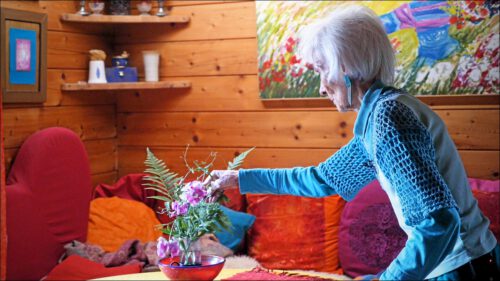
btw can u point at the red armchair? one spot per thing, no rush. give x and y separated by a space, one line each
48 193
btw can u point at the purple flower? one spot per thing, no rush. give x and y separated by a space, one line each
178 209
166 248
193 192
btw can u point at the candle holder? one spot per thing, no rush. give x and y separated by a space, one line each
96 6
161 10
82 11
144 7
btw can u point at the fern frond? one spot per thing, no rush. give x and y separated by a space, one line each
238 160
161 191
159 176
162 198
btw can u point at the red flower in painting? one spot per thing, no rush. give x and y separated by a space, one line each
294 60
264 83
266 64
296 74
290 43
483 12
279 76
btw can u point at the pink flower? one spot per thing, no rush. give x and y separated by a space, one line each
166 248
194 192
178 209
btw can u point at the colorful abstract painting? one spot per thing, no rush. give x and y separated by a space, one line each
23 55
442 47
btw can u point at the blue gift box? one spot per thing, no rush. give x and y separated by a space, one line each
124 74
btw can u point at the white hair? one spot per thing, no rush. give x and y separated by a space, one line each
352 36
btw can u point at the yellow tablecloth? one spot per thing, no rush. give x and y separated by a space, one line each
225 273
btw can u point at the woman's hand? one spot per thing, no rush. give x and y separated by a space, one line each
220 180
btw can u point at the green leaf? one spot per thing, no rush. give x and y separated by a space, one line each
162 198
159 176
238 160
160 191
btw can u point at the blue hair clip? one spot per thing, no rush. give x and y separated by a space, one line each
348 85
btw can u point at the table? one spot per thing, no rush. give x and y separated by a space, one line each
225 273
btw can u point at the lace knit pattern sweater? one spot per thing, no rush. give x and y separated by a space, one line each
404 151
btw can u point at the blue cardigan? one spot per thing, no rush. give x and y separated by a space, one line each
405 145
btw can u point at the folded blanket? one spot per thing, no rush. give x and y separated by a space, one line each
131 252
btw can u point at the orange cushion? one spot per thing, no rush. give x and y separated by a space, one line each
295 232
112 221
78 268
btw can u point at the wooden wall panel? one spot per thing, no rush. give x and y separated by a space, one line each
207 22
106 178
207 93
200 58
479 164
57 97
54 9
91 115
102 156
89 122
70 50
229 129
318 129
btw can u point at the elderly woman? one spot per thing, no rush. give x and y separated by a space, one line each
397 140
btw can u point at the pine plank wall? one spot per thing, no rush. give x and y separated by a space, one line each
217 52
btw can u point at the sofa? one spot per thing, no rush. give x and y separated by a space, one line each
326 234
51 203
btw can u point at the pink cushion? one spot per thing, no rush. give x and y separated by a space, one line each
78 268
48 193
485 185
369 235
487 193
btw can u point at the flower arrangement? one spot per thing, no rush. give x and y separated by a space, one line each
189 202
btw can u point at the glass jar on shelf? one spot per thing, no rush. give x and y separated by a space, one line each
144 7
119 7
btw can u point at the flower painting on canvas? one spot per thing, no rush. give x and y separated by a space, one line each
441 47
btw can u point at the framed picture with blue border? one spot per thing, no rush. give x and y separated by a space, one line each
23 56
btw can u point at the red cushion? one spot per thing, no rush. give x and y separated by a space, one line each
48 196
292 232
78 268
131 187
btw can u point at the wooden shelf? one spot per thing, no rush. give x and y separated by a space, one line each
135 19
84 86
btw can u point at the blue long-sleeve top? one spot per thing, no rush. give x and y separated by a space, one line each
406 146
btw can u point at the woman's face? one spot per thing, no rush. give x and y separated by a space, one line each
336 92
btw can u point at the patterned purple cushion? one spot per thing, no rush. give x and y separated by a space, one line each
369 234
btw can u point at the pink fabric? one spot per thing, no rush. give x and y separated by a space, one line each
485 185
48 196
263 274
130 252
